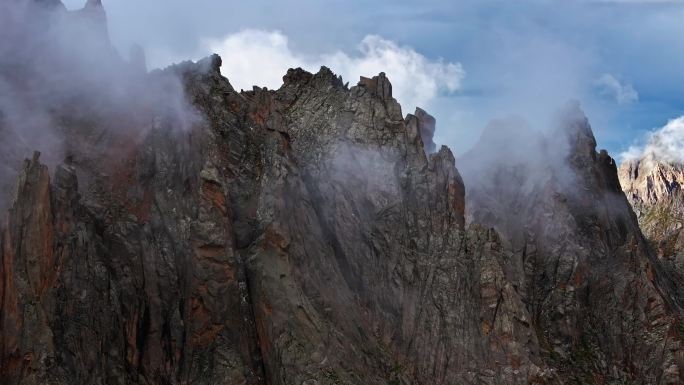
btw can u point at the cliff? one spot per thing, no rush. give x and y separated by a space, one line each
653 187
311 235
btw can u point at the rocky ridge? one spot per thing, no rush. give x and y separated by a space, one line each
654 189
649 181
311 235
577 255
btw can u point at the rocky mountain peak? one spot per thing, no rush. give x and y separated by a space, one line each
572 126
93 19
295 76
212 64
379 85
654 189
310 235
652 180
427 124
649 180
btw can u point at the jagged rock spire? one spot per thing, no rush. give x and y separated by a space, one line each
379 85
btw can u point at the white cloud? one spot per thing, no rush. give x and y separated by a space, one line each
664 144
257 57
623 93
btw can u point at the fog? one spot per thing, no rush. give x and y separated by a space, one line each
549 50
59 73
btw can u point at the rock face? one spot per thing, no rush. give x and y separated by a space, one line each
654 188
593 288
302 236
649 181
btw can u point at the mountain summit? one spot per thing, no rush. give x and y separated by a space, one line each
649 180
177 231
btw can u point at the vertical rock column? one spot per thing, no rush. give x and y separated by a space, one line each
27 273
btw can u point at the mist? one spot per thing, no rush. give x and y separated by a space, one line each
67 77
514 162
61 77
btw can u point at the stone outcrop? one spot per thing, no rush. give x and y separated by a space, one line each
313 235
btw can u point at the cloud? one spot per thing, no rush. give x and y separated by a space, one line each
623 93
258 57
255 57
415 79
664 144
59 76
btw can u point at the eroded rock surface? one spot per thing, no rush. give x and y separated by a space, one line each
295 236
313 235
654 189
593 287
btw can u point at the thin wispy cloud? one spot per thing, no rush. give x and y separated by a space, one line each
622 92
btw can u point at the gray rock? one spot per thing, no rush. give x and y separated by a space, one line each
311 235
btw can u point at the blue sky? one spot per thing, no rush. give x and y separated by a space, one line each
474 60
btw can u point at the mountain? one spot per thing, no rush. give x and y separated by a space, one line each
649 180
576 253
312 235
654 188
